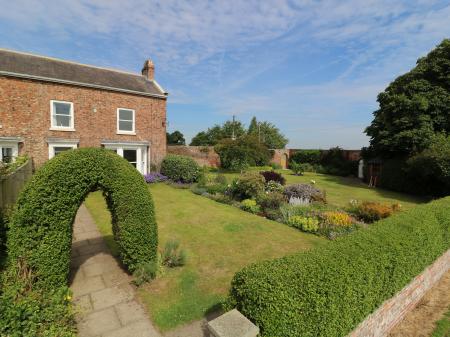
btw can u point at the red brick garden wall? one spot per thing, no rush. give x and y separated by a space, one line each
203 155
25 113
393 310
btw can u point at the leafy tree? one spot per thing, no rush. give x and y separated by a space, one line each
175 138
268 134
213 135
414 107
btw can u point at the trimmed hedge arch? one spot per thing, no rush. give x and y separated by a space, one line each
41 227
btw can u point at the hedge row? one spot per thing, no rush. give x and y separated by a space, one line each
330 290
40 230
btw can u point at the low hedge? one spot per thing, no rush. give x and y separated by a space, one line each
40 230
180 168
330 290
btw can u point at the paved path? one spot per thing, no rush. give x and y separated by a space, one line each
105 299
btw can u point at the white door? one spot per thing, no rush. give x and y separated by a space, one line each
135 155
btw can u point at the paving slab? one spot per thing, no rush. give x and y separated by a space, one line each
105 301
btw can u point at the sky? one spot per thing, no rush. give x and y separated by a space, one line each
313 68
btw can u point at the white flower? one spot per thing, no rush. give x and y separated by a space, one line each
313 181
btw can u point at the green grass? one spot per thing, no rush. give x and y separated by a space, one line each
442 326
219 240
341 190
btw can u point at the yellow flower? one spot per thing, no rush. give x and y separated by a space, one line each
68 298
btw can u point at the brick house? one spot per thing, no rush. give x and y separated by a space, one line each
49 105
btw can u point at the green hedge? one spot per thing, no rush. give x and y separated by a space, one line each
330 290
40 228
180 168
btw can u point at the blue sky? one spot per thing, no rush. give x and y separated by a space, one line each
313 68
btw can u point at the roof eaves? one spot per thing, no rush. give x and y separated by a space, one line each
87 85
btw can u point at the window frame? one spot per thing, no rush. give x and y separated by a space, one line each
52 145
72 115
126 132
9 144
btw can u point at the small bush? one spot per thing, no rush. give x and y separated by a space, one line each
275 166
172 255
304 191
216 188
221 179
180 168
250 205
304 223
247 186
336 218
151 178
145 273
198 190
296 168
373 211
273 186
270 201
273 176
328 291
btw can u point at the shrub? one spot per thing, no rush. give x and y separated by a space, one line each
373 211
7 168
306 156
304 191
216 188
172 255
180 168
145 273
250 205
272 200
273 176
296 168
336 218
241 153
221 179
273 186
247 186
304 223
328 291
40 228
152 178
198 189
275 166
3 230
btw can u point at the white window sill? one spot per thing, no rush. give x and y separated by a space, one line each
126 133
61 129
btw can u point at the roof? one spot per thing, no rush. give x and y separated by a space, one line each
23 65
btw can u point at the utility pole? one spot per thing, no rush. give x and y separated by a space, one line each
259 132
233 136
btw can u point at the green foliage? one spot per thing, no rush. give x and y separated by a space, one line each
268 134
221 179
275 166
145 272
3 230
7 168
270 200
304 223
306 157
297 168
370 211
175 138
330 290
241 153
180 168
215 134
273 186
335 163
40 228
413 107
273 176
250 205
172 255
247 186
442 326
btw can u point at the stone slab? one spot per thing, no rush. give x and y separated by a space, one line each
232 324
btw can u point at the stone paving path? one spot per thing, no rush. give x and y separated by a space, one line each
106 301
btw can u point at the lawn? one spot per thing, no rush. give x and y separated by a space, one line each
341 190
219 240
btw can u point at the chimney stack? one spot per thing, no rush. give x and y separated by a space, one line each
148 71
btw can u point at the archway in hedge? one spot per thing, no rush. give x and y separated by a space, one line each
41 226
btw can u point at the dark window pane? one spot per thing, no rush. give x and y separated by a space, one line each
125 115
59 149
125 126
62 121
61 108
130 155
7 153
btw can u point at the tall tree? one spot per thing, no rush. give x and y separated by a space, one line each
268 134
175 138
216 133
414 107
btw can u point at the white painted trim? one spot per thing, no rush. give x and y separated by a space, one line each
141 154
122 132
159 87
10 144
72 115
52 145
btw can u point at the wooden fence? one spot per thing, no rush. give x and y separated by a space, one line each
12 184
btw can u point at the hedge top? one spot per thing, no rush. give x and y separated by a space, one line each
41 226
330 290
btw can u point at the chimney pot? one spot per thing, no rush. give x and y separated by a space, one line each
148 70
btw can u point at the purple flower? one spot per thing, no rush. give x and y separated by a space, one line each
154 177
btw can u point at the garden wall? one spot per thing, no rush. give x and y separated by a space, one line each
394 310
351 155
12 184
203 155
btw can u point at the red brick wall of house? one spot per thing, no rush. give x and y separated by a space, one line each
25 112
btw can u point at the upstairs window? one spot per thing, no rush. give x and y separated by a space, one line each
125 121
61 115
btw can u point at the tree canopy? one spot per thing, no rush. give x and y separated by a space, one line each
175 138
266 133
414 107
